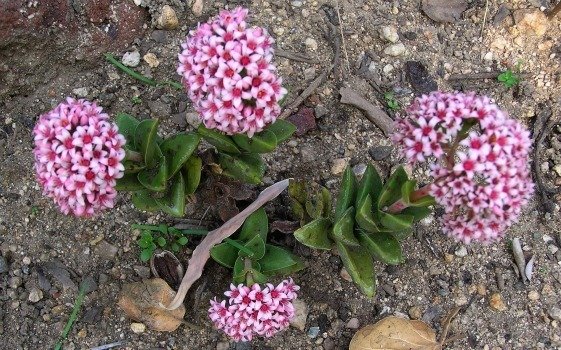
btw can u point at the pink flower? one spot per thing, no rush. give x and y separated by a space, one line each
486 181
78 157
227 71
256 310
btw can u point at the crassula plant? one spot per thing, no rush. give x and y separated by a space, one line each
480 168
226 68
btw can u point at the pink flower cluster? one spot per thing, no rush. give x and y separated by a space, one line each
483 177
227 71
78 155
254 310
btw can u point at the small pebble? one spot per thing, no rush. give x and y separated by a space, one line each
345 275
496 302
338 166
223 345
313 332
80 92
389 33
533 295
151 59
131 59
167 19
388 68
3 265
35 294
555 313
359 169
300 315
461 252
415 312
395 50
311 44
353 323
14 282
296 3
138 327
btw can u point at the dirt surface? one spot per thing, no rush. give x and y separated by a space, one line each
52 49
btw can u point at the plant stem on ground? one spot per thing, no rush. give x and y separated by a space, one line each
73 317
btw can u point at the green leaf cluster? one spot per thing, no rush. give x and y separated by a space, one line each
249 253
168 169
508 78
360 227
161 236
239 156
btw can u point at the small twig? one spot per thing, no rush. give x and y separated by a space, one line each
429 243
320 79
373 113
554 11
446 323
484 18
482 75
519 258
294 56
73 317
108 346
342 36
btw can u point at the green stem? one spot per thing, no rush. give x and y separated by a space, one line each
249 281
109 57
399 205
72 319
134 156
173 84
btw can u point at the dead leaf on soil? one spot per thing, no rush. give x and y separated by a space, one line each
142 301
395 333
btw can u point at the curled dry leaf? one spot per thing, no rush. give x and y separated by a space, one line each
395 333
166 266
142 301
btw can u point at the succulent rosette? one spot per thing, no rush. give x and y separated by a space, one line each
481 170
227 71
78 157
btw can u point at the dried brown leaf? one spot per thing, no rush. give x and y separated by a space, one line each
395 333
202 252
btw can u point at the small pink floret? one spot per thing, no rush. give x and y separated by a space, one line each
78 155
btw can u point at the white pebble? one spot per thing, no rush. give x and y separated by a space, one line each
395 50
131 59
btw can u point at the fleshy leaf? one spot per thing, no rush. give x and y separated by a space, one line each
297 190
248 168
133 167
173 202
314 205
239 272
263 142
299 211
406 189
220 141
278 260
225 254
127 125
401 235
155 178
370 184
396 222
360 267
282 129
145 136
192 173
177 149
392 189
315 234
364 216
144 201
382 246
257 246
327 203
129 182
343 230
255 224
346 196
418 213
423 202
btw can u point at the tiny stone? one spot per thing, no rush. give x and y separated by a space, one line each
415 312
496 302
106 250
557 169
488 56
338 166
292 143
142 271
533 295
353 323
359 169
27 260
82 333
278 31
313 332
329 344
14 282
80 92
167 19
461 252
388 68
320 111
544 167
389 33
223 345
380 152
151 59
345 275
300 315
552 249
372 67
35 294
555 313
193 119
309 73
3 265
297 3
131 59
448 258
395 50
311 44
138 327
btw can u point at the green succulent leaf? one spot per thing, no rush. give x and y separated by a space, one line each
257 246
257 224
364 216
343 230
382 246
298 210
370 184
239 272
175 247
225 254
143 200
177 150
129 182
264 142
418 213
282 129
258 277
133 167
145 240
192 173
297 190
360 267
161 241
220 141
423 202
146 254
314 205
346 196
145 137
248 168
392 189
406 189
173 202
396 222
327 202
401 235
279 261
183 240
127 125
315 234
155 178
